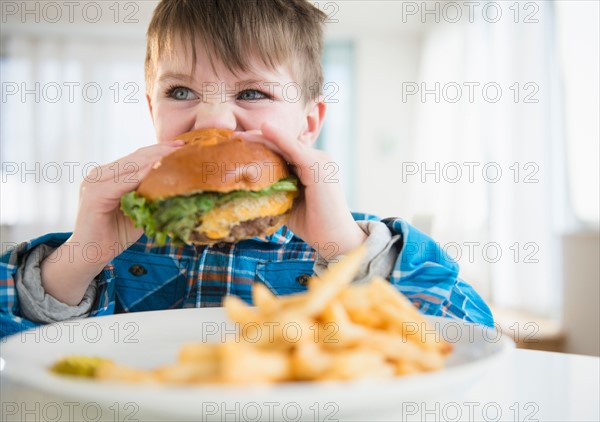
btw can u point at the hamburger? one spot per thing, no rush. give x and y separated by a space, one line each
215 188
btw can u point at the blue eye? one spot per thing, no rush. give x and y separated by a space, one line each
181 93
251 95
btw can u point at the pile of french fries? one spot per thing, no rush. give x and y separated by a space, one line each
334 331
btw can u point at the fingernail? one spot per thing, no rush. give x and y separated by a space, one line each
177 143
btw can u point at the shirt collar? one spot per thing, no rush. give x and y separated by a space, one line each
280 237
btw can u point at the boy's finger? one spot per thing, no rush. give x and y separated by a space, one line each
157 150
290 148
257 136
275 139
130 170
302 157
140 167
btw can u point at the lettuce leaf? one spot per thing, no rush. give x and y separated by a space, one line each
178 216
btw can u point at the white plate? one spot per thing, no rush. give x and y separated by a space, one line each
150 339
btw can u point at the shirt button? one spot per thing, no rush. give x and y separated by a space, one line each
137 270
303 279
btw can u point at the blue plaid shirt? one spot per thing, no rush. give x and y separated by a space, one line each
146 277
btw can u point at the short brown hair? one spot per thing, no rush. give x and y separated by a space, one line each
276 32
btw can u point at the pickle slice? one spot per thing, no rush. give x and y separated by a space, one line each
81 366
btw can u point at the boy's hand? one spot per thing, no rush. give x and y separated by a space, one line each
321 218
99 218
101 230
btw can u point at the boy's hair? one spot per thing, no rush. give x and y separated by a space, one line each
276 32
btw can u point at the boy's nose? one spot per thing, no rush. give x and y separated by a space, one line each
215 115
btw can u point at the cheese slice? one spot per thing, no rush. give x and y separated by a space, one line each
218 222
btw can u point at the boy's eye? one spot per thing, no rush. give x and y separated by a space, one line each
251 95
181 93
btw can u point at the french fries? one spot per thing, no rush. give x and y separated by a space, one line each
334 331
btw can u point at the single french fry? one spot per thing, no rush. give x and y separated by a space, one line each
402 316
359 363
431 361
381 289
391 345
397 349
309 361
295 300
239 311
198 352
121 373
243 363
445 348
283 330
189 372
421 333
336 330
360 307
332 282
264 300
407 368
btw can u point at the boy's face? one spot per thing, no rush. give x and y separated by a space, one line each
180 103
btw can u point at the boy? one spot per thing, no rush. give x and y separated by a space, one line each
222 64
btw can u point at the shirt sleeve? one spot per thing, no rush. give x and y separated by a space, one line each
430 278
18 264
417 266
382 248
36 304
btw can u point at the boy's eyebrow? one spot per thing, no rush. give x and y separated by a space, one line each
174 75
251 82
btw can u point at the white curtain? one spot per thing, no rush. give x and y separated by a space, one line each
68 103
502 227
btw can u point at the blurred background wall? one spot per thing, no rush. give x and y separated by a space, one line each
475 121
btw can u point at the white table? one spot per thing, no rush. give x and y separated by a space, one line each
531 386
524 386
